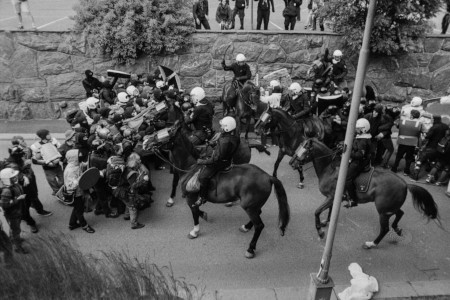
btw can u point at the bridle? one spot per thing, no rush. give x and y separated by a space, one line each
334 153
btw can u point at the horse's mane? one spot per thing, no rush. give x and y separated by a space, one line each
248 86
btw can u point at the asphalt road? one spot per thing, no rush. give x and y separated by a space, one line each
216 259
54 15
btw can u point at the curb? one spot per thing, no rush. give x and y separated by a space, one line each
28 136
417 290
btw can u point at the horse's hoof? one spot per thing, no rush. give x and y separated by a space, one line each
169 204
398 231
321 234
243 229
191 237
204 216
249 254
369 245
229 204
300 185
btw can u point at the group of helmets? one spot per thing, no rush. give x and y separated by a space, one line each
131 92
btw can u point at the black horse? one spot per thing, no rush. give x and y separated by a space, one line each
247 183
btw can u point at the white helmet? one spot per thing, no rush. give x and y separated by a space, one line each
274 83
132 91
240 57
416 101
197 94
362 126
160 84
295 87
91 102
228 124
6 175
337 53
123 97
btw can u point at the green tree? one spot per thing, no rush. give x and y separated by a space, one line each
126 29
396 22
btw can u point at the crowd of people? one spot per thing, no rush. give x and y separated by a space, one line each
110 129
226 16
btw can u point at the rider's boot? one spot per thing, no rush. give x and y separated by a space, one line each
351 195
203 193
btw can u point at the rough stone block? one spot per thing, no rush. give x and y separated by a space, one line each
101 68
35 94
74 43
300 71
23 63
432 45
190 82
282 75
6 74
40 40
272 54
258 38
66 86
193 65
53 63
251 50
81 64
209 79
172 62
438 61
294 44
299 57
222 46
6 46
440 81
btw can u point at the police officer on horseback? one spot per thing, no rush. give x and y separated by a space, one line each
222 157
359 158
201 116
338 70
241 71
298 103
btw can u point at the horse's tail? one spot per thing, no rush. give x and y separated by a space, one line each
283 205
423 201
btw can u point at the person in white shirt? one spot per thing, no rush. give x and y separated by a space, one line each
273 99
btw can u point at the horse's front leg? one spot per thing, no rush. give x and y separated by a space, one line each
175 180
196 215
302 178
384 229
247 129
327 204
277 162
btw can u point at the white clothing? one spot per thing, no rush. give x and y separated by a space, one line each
273 100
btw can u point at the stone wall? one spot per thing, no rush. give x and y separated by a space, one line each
38 70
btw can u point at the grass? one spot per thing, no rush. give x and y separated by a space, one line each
56 269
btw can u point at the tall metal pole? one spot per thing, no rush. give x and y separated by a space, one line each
251 13
321 283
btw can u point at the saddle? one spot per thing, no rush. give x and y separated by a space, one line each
193 184
362 181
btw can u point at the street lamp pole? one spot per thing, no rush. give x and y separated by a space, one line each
251 13
321 284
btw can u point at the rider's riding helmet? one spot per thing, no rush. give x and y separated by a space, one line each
132 91
197 94
91 102
337 55
296 88
362 126
8 176
228 124
240 58
274 83
123 97
103 133
416 101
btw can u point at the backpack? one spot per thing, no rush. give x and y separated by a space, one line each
70 116
114 171
444 145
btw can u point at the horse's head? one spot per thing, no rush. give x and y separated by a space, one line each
251 92
162 139
303 154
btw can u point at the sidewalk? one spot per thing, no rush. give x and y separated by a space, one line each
28 129
417 290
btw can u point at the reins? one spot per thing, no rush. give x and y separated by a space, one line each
160 156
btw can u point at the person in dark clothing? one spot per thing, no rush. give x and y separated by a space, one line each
10 201
66 146
239 9
242 73
338 70
359 159
263 13
201 116
380 129
441 168
298 103
107 95
290 14
224 15
200 12
91 84
431 141
222 157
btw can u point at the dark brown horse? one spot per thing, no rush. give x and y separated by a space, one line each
247 183
242 107
292 133
387 190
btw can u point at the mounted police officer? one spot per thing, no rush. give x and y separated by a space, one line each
359 158
241 71
298 103
338 70
222 157
201 116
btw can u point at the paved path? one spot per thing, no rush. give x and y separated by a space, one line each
54 15
216 259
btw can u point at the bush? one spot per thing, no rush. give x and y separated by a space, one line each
126 29
54 269
396 24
